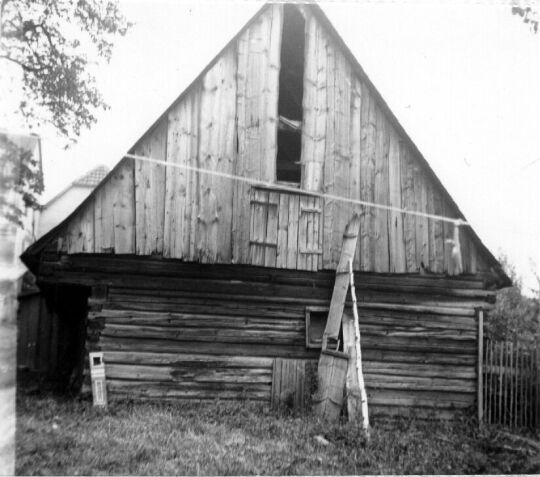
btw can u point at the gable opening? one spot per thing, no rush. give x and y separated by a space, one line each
291 90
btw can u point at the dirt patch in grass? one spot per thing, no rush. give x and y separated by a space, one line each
60 436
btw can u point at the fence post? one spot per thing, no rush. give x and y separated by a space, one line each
480 397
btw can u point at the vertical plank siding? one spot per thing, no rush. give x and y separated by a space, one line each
150 192
315 106
181 201
288 383
216 152
285 230
227 122
257 102
511 394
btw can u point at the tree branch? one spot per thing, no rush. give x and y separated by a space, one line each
18 62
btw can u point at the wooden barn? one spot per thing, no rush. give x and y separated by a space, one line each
200 285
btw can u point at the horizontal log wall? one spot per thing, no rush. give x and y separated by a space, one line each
227 122
171 329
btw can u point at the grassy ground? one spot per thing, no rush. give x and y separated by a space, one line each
56 436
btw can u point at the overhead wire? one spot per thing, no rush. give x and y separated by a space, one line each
457 222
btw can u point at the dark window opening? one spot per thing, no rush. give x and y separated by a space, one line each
291 90
315 324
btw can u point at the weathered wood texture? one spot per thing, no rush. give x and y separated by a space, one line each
331 379
289 383
257 109
37 338
419 334
341 285
351 149
227 122
285 229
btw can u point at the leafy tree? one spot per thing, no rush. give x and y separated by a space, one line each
516 317
49 40
20 173
53 44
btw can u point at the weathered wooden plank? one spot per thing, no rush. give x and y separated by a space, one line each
188 374
221 335
176 346
122 183
194 360
283 231
304 234
181 201
367 177
257 100
141 389
434 400
143 267
259 222
417 332
316 259
288 383
271 230
408 202
391 319
328 399
337 303
217 148
381 194
329 172
416 383
79 234
436 232
422 357
150 191
310 245
104 219
428 345
293 233
314 104
356 148
198 320
352 387
397 244
449 263
421 223
340 114
446 371
465 249
87 229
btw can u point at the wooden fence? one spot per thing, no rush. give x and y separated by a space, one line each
511 384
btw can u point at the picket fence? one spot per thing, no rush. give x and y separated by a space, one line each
511 384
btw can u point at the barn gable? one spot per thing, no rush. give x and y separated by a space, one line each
202 286
339 139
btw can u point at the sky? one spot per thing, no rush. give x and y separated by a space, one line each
462 77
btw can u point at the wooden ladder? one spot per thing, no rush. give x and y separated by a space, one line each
332 370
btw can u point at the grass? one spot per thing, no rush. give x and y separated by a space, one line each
59 436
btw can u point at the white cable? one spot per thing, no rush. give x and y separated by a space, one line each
285 188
